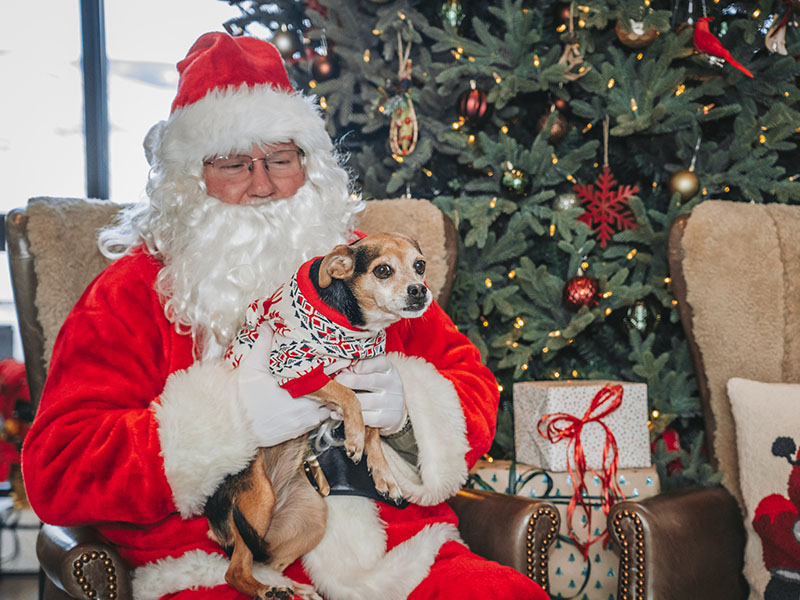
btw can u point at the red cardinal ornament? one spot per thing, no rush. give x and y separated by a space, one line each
705 41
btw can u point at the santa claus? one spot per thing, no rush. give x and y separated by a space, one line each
141 419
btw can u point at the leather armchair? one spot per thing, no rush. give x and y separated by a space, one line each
48 278
722 256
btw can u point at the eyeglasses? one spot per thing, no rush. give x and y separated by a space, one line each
282 163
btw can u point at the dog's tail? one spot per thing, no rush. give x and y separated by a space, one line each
255 542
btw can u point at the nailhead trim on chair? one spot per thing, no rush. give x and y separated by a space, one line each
540 577
628 563
111 575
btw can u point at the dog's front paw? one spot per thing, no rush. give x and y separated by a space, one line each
354 445
385 483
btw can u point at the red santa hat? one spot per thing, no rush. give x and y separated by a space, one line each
233 93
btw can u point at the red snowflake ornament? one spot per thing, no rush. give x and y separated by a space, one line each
606 208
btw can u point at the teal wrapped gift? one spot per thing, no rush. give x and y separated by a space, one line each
571 575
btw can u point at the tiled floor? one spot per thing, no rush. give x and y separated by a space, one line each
19 587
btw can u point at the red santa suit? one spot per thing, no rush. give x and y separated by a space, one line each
132 434
135 436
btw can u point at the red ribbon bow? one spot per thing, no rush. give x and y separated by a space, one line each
560 426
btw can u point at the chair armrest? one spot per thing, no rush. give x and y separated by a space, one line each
80 562
680 544
512 530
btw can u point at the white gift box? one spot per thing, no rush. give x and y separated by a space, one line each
628 423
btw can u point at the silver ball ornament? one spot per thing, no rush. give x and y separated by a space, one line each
565 201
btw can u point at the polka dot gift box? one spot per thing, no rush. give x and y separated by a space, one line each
573 575
554 419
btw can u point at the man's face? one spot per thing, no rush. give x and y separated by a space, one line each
257 185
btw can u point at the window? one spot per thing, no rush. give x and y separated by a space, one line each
41 124
144 41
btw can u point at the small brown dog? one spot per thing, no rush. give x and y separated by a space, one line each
270 512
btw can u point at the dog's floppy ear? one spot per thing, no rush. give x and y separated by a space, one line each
338 264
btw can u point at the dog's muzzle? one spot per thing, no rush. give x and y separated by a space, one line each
417 296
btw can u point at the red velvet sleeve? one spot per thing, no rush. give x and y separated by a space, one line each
92 453
434 337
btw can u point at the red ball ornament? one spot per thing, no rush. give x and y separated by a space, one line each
581 290
472 106
562 12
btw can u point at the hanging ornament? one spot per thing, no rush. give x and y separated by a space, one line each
286 41
644 316
472 105
573 63
562 12
565 201
581 291
634 35
515 181
606 205
558 127
708 44
685 182
775 40
325 67
404 129
571 58
452 12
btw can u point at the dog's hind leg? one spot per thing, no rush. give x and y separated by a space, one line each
249 522
240 574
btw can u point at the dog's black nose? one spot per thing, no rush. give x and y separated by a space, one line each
417 291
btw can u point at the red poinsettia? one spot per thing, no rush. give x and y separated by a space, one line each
15 413
13 387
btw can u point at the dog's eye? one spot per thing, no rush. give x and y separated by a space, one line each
382 271
419 266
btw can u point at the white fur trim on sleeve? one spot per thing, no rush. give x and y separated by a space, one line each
203 434
440 430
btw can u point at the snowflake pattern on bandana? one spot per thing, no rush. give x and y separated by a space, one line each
305 339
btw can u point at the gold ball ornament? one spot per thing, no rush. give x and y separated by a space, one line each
684 182
635 35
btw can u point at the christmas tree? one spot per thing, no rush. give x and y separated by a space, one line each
563 139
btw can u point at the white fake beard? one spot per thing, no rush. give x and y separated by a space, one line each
225 256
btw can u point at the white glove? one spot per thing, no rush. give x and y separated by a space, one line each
379 388
274 415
